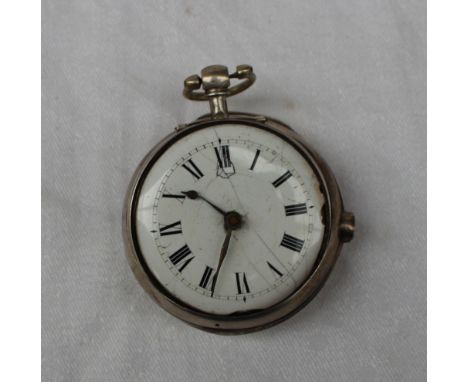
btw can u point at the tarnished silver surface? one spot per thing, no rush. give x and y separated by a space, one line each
339 225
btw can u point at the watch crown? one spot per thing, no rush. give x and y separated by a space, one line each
347 225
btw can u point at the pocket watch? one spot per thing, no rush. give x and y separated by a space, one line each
232 223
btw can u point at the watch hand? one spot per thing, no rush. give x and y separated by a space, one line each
192 194
232 221
222 256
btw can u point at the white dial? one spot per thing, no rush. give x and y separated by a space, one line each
260 182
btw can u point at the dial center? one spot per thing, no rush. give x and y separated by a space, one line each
232 220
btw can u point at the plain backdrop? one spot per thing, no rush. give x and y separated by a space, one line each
350 76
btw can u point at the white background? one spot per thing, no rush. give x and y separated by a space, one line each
350 77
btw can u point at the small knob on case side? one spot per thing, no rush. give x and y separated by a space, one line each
347 225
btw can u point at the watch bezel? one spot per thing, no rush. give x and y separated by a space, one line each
260 319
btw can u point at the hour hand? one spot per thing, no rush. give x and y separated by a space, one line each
192 194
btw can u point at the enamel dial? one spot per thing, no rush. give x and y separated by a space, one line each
229 219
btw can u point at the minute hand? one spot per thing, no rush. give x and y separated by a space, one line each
192 194
222 256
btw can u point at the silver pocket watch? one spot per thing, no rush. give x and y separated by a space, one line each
232 223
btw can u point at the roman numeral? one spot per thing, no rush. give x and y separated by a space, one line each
272 267
283 178
292 243
295 209
187 262
254 162
181 255
224 159
192 169
173 196
241 282
171 229
206 277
